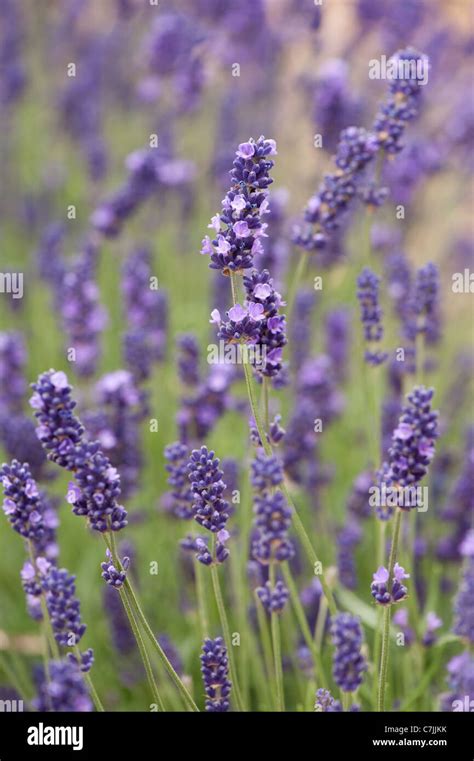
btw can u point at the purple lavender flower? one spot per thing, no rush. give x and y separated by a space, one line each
325 210
460 680
424 305
271 336
63 606
403 101
61 433
188 359
272 521
325 703
122 406
459 505
62 690
146 310
234 246
13 79
337 341
385 593
274 598
334 103
215 674
120 630
180 498
349 664
433 623
83 317
113 576
464 604
371 314
412 442
59 430
23 503
400 619
348 538
267 472
200 411
12 381
209 508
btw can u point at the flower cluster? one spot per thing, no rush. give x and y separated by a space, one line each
402 104
271 336
12 382
210 510
83 317
61 689
325 703
371 314
215 675
324 211
188 359
23 502
464 604
238 241
423 316
61 433
147 314
384 594
179 500
111 575
349 664
413 442
63 606
274 598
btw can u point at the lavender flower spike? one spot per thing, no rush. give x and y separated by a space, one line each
63 690
371 314
239 226
349 664
210 509
464 604
215 671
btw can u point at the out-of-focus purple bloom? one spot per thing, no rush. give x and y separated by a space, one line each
348 538
459 505
325 703
424 305
432 624
337 341
188 359
62 690
180 497
272 522
215 675
83 317
464 604
349 664
371 315
400 619
12 364
325 210
460 680
146 309
300 327
13 76
403 100
274 598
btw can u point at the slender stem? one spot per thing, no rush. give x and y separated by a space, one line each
381 530
266 408
88 680
266 645
304 626
276 641
299 272
141 618
157 647
386 616
201 599
142 649
226 632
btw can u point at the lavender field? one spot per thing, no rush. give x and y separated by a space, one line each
236 356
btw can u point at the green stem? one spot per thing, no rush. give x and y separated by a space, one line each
386 615
276 641
226 632
201 600
143 651
266 646
88 680
266 408
141 619
299 273
304 626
